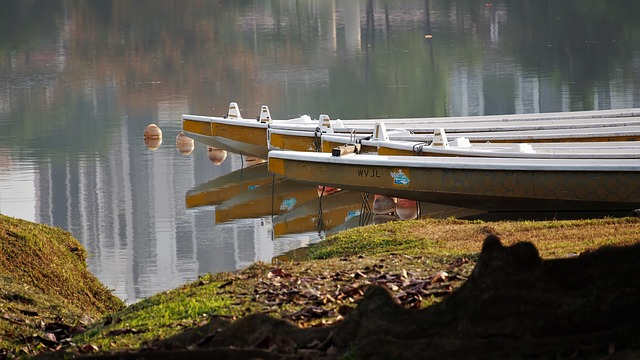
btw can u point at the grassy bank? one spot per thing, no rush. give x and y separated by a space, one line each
44 281
438 255
324 288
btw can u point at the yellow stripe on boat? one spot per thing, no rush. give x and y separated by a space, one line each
240 133
276 166
198 127
295 142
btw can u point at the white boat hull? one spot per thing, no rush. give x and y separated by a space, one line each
493 184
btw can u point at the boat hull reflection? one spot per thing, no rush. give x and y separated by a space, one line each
321 214
269 199
225 187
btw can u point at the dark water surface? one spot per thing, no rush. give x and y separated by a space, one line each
80 81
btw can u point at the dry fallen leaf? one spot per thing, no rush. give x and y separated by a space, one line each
277 273
440 276
88 348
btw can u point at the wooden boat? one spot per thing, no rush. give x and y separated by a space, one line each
227 186
493 184
461 146
326 141
257 137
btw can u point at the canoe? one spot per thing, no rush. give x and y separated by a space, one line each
564 115
236 134
461 146
492 184
281 139
484 125
256 137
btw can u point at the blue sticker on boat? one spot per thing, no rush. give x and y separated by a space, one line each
400 178
288 204
251 187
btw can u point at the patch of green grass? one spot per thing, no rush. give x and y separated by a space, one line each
459 237
372 240
160 316
44 278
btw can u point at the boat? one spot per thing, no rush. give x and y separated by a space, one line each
492 183
233 133
405 142
255 137
368 140
462 146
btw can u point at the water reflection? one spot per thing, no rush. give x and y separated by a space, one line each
290 207
215 155
276 198
226 187
184 144
323 214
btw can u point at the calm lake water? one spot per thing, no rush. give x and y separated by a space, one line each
80 81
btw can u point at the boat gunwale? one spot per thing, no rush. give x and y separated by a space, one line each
561 115
295 123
